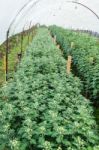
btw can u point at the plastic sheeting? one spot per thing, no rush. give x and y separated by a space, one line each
47 12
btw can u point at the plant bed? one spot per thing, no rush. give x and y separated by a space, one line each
14 50
42 108
85 53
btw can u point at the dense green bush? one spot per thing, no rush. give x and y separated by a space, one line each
42 108
85 55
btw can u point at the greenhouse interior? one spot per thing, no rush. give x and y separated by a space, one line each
49 75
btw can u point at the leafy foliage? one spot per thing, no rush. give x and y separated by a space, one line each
42 107
85 55
14 50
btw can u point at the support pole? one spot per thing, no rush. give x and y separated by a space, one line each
4 67
7 52
69 61
22 34
32 32
29 33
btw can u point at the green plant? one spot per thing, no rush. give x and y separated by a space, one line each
42 108
14 50
85 55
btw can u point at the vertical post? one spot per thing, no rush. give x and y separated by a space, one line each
69 64
28 37
22 41
7 51
4 66
55 39
32 32
72 44
58 46
29 33
69 61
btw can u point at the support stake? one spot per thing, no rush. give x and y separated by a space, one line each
21 42
7 52
4 67
69 61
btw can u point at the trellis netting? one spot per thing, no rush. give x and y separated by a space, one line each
48 12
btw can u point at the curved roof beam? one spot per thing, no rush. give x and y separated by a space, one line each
37 1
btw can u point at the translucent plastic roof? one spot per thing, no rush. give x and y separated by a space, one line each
48 12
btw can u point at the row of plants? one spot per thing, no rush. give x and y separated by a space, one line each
85 53
14 50
42 108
